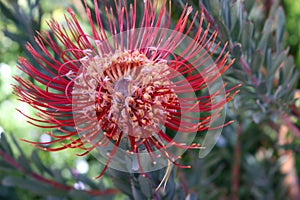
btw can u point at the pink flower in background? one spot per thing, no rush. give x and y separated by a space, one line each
134 86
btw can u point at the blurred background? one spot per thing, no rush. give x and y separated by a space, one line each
257 157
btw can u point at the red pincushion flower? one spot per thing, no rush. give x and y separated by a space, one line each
131 95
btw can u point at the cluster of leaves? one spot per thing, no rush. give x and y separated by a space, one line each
25 22
31 174
255 32
263 66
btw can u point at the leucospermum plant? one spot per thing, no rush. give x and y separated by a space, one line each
134 95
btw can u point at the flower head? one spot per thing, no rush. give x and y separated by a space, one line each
135 93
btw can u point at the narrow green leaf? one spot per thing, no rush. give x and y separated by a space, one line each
215 8
273 68
145 186
279 60
171 186
5 145
6 167
234 15
269 68
137 194
32 185
77 194
257 61
88 181
280 29
38 163
249 5
8 193
263 43
17 145
287 88
22 158
224 31
274 8
247 33
121 181
237 51
7 12
58 176
262 88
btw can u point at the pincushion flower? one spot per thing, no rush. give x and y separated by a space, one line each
133 90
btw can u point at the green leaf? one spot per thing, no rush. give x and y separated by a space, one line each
215 8
8 193
257 61
121 181
279 60
248 5
269 70
263 43
137 194
274 8
5 145
262 88
280 29
274 66
145 185
247 33
86 180
22 158
78 194
58 176
38 163
32 185
171 186
8 14
17 145
285 90
224 31
237 51
234 15
289 64
6 167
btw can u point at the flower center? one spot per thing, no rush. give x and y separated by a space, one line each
131 94
123 86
